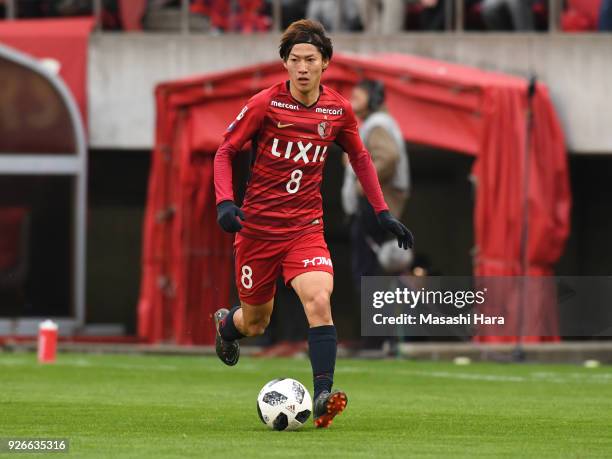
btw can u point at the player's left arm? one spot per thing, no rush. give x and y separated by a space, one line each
361 161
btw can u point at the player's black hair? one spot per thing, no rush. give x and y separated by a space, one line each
376 93
305 31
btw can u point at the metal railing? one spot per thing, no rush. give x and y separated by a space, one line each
454 14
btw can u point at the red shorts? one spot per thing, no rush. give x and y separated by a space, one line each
259 263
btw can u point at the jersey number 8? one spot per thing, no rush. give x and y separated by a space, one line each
293 185
247 276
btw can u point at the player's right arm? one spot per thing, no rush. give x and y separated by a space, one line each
240 131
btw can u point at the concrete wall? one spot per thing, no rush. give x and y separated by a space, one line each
124 69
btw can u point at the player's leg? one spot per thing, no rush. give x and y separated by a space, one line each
252 320
244 320
314 289
238 322
308 269
257 265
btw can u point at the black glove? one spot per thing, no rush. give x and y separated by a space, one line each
405 239
227 213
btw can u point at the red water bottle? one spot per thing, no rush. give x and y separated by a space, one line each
47 341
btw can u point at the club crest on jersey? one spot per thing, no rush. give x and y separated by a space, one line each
324 129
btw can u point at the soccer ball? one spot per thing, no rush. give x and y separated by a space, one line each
284 404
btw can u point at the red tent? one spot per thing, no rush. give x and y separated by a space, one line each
187 260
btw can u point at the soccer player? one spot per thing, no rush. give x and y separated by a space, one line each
279 228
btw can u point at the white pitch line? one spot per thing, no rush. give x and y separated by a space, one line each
550 377
541 376
465 376
83 363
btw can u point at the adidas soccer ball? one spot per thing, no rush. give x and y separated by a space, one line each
284 404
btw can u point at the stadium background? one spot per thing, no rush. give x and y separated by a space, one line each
71 236
123 68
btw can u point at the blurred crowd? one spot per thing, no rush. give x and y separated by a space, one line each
378 16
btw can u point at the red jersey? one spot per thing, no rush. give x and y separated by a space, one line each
290 142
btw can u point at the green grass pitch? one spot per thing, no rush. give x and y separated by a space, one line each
117 406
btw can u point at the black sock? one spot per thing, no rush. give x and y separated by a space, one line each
228 329
322 344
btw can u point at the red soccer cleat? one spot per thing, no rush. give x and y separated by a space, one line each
327 406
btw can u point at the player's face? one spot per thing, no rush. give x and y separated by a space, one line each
305 66
359 101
